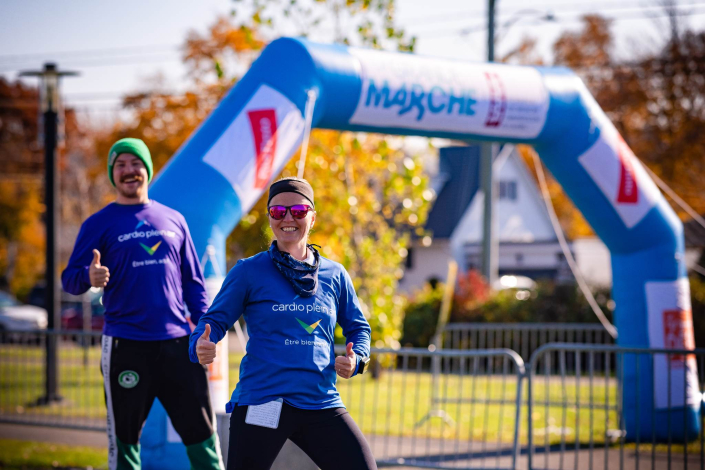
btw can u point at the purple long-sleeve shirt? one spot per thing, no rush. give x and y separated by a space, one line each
153 267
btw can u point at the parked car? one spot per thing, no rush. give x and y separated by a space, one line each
72 307
522 285
16 316
72 311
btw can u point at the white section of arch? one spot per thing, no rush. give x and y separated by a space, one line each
413 92
257 144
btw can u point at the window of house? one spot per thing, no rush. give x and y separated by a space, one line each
508 190
409 262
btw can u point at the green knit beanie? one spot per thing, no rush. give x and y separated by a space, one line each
134 147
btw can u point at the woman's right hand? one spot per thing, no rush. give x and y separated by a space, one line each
205 348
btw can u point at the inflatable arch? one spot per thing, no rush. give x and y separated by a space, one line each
222 170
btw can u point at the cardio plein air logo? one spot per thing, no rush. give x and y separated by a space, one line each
146 234
309 328
149 249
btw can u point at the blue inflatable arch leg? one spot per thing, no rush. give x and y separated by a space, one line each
222 170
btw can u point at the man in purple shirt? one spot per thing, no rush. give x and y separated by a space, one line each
142 254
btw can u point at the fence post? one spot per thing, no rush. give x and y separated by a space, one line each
530 411
517 420
437 343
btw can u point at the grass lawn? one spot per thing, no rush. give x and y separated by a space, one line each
478 407
80 384
40 455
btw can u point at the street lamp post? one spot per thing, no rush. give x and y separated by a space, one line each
50 108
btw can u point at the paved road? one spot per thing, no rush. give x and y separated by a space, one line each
432 452
55 435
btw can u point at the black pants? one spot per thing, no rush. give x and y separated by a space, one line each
137 372
330 437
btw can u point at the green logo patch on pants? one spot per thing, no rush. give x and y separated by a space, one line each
128 379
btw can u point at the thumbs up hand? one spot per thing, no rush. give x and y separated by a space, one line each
205 348
99 275
345 365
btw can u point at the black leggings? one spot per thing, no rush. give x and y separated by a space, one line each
330 437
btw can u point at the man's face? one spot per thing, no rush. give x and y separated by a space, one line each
130 176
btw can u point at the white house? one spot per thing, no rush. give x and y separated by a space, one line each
528 244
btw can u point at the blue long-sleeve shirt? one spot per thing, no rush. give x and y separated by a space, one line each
290 351
153 267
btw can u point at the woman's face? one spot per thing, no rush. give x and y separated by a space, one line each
291 231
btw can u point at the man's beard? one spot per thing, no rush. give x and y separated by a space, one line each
126 191
130 194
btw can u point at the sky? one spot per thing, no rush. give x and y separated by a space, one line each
118 47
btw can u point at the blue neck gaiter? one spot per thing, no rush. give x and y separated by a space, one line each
302 276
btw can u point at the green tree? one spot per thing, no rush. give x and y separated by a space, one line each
369 23
370 196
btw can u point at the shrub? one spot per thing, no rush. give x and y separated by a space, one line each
548 303
697 295
421 316
474 303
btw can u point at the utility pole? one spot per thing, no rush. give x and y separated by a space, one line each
490 240
50 106
490 30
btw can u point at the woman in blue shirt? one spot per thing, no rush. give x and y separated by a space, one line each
291 298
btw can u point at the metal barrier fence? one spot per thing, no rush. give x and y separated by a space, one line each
22 380
577 416
422 409
447 409
463 416
524 338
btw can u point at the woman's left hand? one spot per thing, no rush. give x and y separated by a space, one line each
345 365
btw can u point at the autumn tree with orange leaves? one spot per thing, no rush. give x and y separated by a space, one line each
656 102
22 232
371 196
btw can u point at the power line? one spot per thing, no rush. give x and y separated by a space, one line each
460 15
80 97
677 199
104 95
70 98
568 255
482 27
101 52
100 109
104 62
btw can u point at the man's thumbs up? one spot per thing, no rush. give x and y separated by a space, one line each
99 275
205 348
345 365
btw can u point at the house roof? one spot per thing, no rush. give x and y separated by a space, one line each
457 182
456 213
694 234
